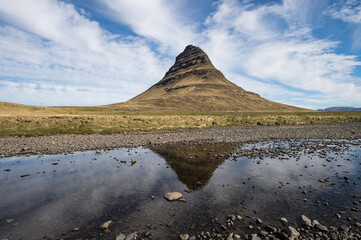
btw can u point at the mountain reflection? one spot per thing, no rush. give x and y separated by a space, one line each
194 164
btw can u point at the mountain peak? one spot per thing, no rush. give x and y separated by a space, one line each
192 58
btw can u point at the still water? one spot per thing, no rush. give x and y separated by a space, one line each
266 180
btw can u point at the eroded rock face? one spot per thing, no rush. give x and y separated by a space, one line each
191 56
192 61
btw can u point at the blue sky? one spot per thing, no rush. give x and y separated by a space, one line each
305 53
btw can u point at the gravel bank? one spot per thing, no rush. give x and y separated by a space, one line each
56 144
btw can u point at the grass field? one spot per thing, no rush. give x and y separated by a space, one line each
21 120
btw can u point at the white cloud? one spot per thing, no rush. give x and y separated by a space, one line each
158 20
54 20
345 10
348 11
281 54
54 94
59 46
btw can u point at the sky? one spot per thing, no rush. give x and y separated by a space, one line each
305 53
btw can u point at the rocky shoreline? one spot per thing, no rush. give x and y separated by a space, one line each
58 144
308 230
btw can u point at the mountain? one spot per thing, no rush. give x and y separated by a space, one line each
340 109
194 84
194 164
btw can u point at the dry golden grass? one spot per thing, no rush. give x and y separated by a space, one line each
25 120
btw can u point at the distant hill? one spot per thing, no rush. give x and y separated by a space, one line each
340 109
194 84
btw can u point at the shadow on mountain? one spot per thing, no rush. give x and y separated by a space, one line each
195 164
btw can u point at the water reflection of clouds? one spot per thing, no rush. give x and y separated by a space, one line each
226 185
50 201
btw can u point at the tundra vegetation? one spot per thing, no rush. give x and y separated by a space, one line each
22 120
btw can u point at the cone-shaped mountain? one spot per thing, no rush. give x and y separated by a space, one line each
195 164
194 84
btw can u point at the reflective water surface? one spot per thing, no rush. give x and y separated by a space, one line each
266 180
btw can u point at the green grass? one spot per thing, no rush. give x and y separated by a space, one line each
19 120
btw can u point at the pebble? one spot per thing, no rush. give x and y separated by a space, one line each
321 227
255 237
105 225
284 220
315 222
292 232
333 236
271 229
173 196
184 237
344 228
120 237
321 180
306 221
132 236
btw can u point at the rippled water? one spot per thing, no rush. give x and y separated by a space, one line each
266 180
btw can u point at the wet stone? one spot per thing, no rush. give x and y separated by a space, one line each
184 237
105 225
321 227
344 228
173 196
120 237
271 229
132 236
292 232
306 221
232 217
255 237
333 236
